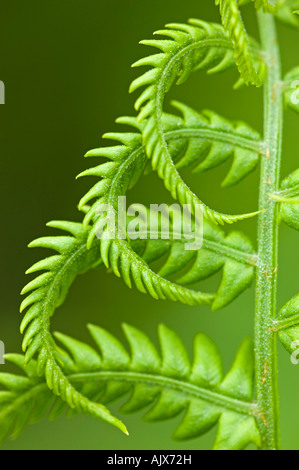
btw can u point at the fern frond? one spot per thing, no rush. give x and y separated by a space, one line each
186 138
48 290
45 293
233 253
116 251
183 135
191 47
166 382
23 398
234 26
124 262
127 161
203 141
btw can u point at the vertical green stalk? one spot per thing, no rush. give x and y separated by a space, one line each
266 285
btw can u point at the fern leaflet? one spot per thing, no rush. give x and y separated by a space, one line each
212 140
200 46
116 252
166 382
183 136
46 293
289 199
234 254
233 25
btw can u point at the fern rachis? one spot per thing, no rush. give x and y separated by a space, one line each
81 378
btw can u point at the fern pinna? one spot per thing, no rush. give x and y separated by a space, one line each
167 383
61 373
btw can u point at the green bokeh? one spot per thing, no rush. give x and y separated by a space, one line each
66 67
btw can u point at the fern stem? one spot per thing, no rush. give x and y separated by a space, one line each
266 286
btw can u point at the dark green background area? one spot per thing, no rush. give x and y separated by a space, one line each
66 67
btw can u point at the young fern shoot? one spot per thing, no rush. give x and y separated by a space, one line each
61 373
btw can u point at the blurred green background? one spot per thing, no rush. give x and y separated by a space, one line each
66 67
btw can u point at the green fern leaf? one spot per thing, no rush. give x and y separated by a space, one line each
23 398
45 294
199 46
202 141
211 141
289 199
233 25
127 162
291 87
234 254
125 263
182 135
287 325
168 383
48 291
116 252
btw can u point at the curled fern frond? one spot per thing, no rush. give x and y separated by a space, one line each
203 141
125 263
234 26
116 251
48 291
186 138
198 46
167 382
126 163
44 294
